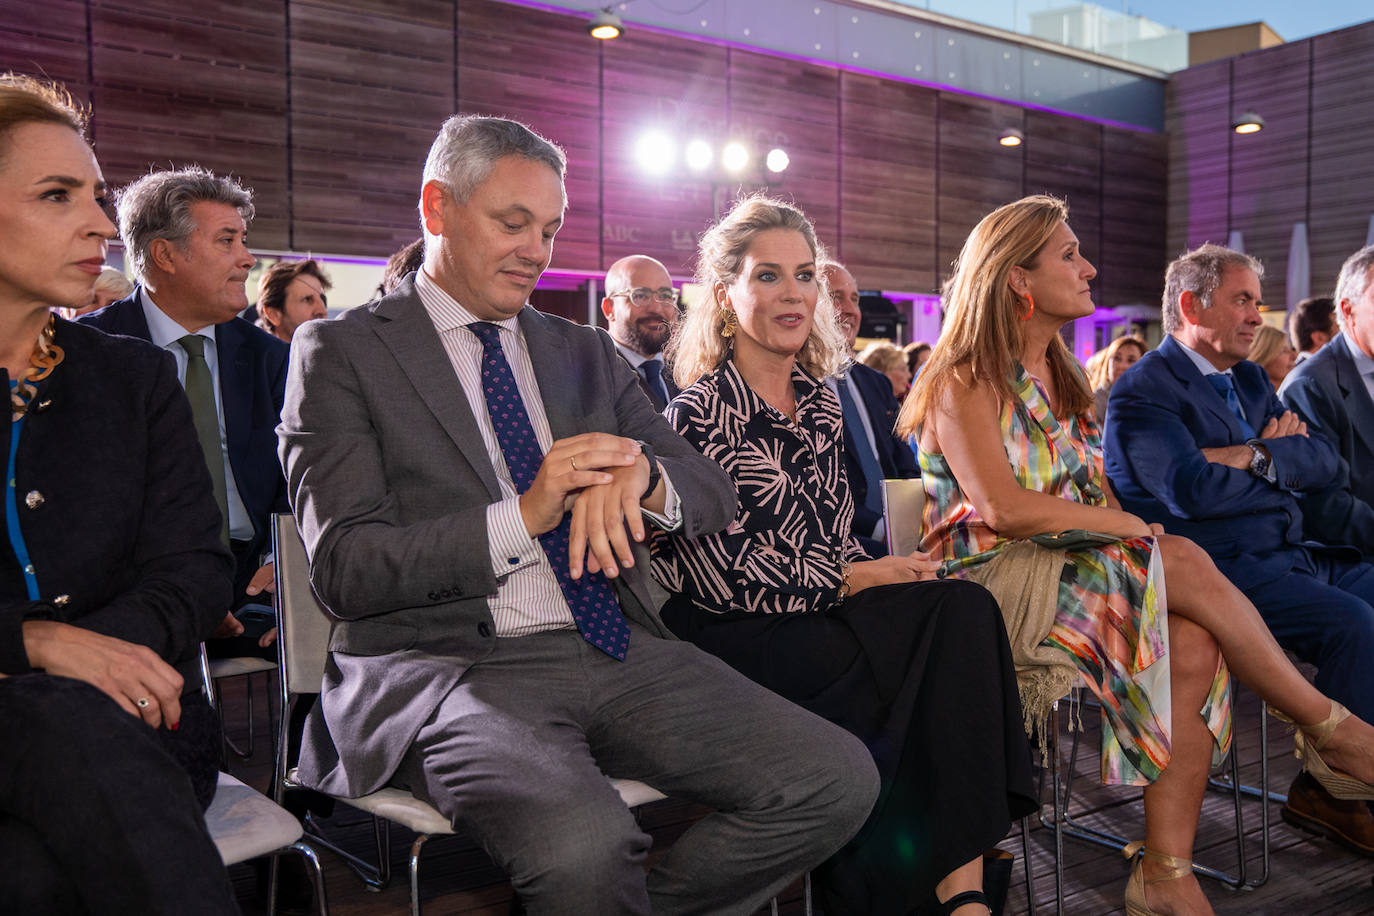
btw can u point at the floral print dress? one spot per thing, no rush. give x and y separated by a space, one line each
1111 619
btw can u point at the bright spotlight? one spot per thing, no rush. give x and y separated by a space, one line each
777 160
734 157
605 25
698 155
1011 137
654 153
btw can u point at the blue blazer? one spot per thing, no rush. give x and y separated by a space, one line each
1327 392
896 458
252 377
1162 414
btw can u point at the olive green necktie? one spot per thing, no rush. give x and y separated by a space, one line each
200 391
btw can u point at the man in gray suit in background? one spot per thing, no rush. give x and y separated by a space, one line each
471 478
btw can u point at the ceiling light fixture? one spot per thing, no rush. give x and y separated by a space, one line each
777 160
1011 137
1248 123
605 25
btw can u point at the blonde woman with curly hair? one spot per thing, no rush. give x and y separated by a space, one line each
787 596
1274 353
1106 366
1012 465
890 360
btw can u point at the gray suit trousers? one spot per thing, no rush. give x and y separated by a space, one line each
519 752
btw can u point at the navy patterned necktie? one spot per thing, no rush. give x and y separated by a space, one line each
652 371
1227 389
592 601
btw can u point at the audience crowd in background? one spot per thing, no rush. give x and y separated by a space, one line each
494 501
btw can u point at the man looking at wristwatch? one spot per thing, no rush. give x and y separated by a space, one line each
1199 442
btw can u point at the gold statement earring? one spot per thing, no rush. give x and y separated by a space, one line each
728 327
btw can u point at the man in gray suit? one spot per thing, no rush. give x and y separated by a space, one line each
471 479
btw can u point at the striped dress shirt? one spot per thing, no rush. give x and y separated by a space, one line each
528 598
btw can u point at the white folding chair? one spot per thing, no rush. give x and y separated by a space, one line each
245 824
303 646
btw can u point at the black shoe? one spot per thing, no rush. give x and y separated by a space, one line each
997 865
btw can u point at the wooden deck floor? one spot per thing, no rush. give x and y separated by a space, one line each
1308 875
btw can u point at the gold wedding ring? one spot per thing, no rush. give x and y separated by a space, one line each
573 462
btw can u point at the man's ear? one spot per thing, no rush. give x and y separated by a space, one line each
160 254
1190 306
432 206
608 307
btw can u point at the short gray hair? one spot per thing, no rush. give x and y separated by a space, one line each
1353 280
468 147
158 206
1199 272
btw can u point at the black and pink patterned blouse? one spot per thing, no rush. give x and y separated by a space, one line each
782 554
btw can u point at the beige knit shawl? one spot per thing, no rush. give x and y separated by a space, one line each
1024 578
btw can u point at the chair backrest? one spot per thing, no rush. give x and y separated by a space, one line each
903 502
304 625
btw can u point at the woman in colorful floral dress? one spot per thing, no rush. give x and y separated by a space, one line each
1009 452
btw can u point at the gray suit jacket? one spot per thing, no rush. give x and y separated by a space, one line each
390 483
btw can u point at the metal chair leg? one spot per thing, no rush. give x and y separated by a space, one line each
229 742
1079 831
1026 864
312 862
415 873
375 877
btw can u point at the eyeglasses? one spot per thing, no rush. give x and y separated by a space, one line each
641 296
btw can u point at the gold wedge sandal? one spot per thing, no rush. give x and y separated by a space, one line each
1309 741
1135 888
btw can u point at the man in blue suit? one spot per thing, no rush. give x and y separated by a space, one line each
871 452
185 233
1334 393
1200 443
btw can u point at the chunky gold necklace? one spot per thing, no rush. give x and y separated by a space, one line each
46 356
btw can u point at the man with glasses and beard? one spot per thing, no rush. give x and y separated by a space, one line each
641 310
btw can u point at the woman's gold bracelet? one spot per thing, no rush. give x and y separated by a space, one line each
845 569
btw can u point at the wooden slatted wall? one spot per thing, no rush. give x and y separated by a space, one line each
1342 165
326 108
1311 163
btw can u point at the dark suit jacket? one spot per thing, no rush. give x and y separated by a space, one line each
252 379
1163 413
673 389
390 482
895 457
115 506
1327 392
